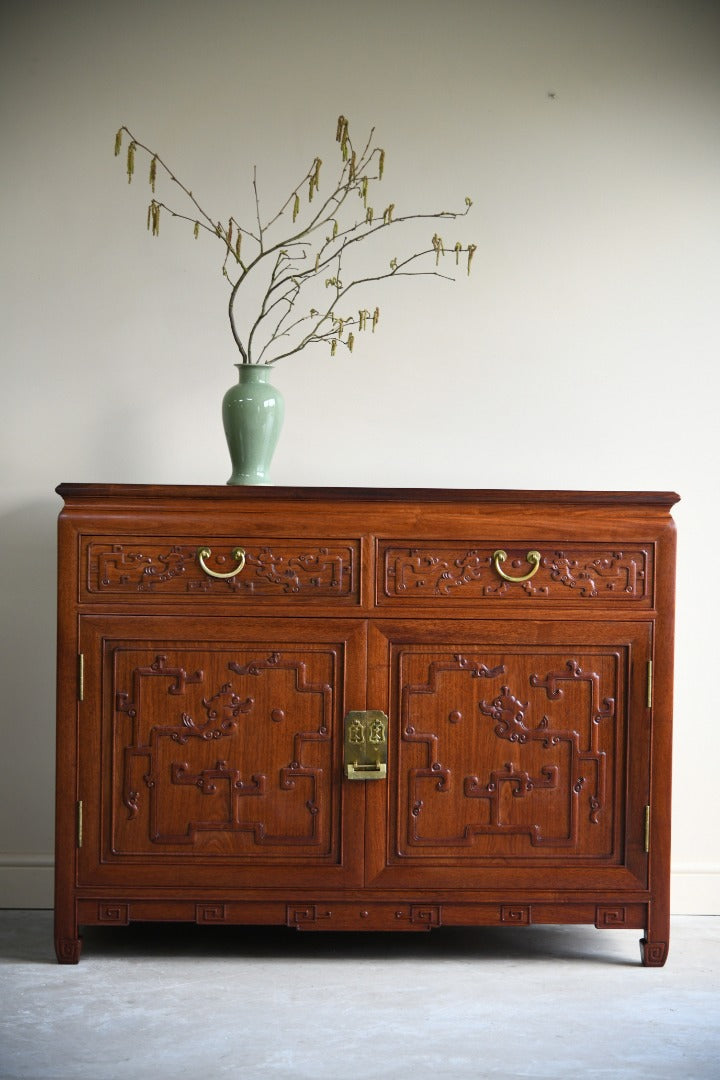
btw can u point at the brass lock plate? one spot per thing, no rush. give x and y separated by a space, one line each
366 745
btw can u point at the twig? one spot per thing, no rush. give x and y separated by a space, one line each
308 252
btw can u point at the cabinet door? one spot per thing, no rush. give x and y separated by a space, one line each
211 752
519 755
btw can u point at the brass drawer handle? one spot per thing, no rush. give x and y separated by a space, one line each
532 557
238 554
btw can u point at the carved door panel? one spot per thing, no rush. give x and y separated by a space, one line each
211 751
509 760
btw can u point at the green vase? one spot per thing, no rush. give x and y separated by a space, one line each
252 413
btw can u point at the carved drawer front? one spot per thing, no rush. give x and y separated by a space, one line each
454 571
259 569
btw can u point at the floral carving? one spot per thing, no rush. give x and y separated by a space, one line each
222 711
612 573
291 568
509 711
427 571
455 570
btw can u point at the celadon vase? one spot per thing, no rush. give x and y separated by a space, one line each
253 412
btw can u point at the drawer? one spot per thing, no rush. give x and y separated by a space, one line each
453 571
264 569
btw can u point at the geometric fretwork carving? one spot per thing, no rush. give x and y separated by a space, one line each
113 913
435 669
210 913
654 953
509 712
606 915
515 915
548 789
172 746
520 784
573 672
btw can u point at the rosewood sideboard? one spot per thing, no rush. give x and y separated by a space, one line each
364 709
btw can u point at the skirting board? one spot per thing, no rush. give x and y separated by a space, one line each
695 890
26 881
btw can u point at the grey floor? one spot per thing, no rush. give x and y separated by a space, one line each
174 1001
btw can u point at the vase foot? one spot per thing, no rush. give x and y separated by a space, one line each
248 481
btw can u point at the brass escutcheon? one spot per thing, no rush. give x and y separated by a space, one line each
366 745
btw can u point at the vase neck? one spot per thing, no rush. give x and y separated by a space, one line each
253 372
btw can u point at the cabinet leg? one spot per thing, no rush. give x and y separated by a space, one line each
654 946
68 943
68 950
653 953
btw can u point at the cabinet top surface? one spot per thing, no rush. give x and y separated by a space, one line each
237 494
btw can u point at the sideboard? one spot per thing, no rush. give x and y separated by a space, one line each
353 709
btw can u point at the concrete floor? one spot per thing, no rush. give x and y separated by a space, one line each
175 1001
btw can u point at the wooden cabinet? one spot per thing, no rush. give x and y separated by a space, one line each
360 709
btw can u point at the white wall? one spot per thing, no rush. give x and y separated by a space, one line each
580 354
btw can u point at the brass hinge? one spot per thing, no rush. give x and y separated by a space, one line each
81 676
647 829
649 684
79 821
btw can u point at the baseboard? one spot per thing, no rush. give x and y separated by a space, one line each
26 881
695 889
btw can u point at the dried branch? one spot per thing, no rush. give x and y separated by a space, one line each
323 234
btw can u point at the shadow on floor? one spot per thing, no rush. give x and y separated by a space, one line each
31 941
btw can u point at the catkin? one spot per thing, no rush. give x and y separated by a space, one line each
130 161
